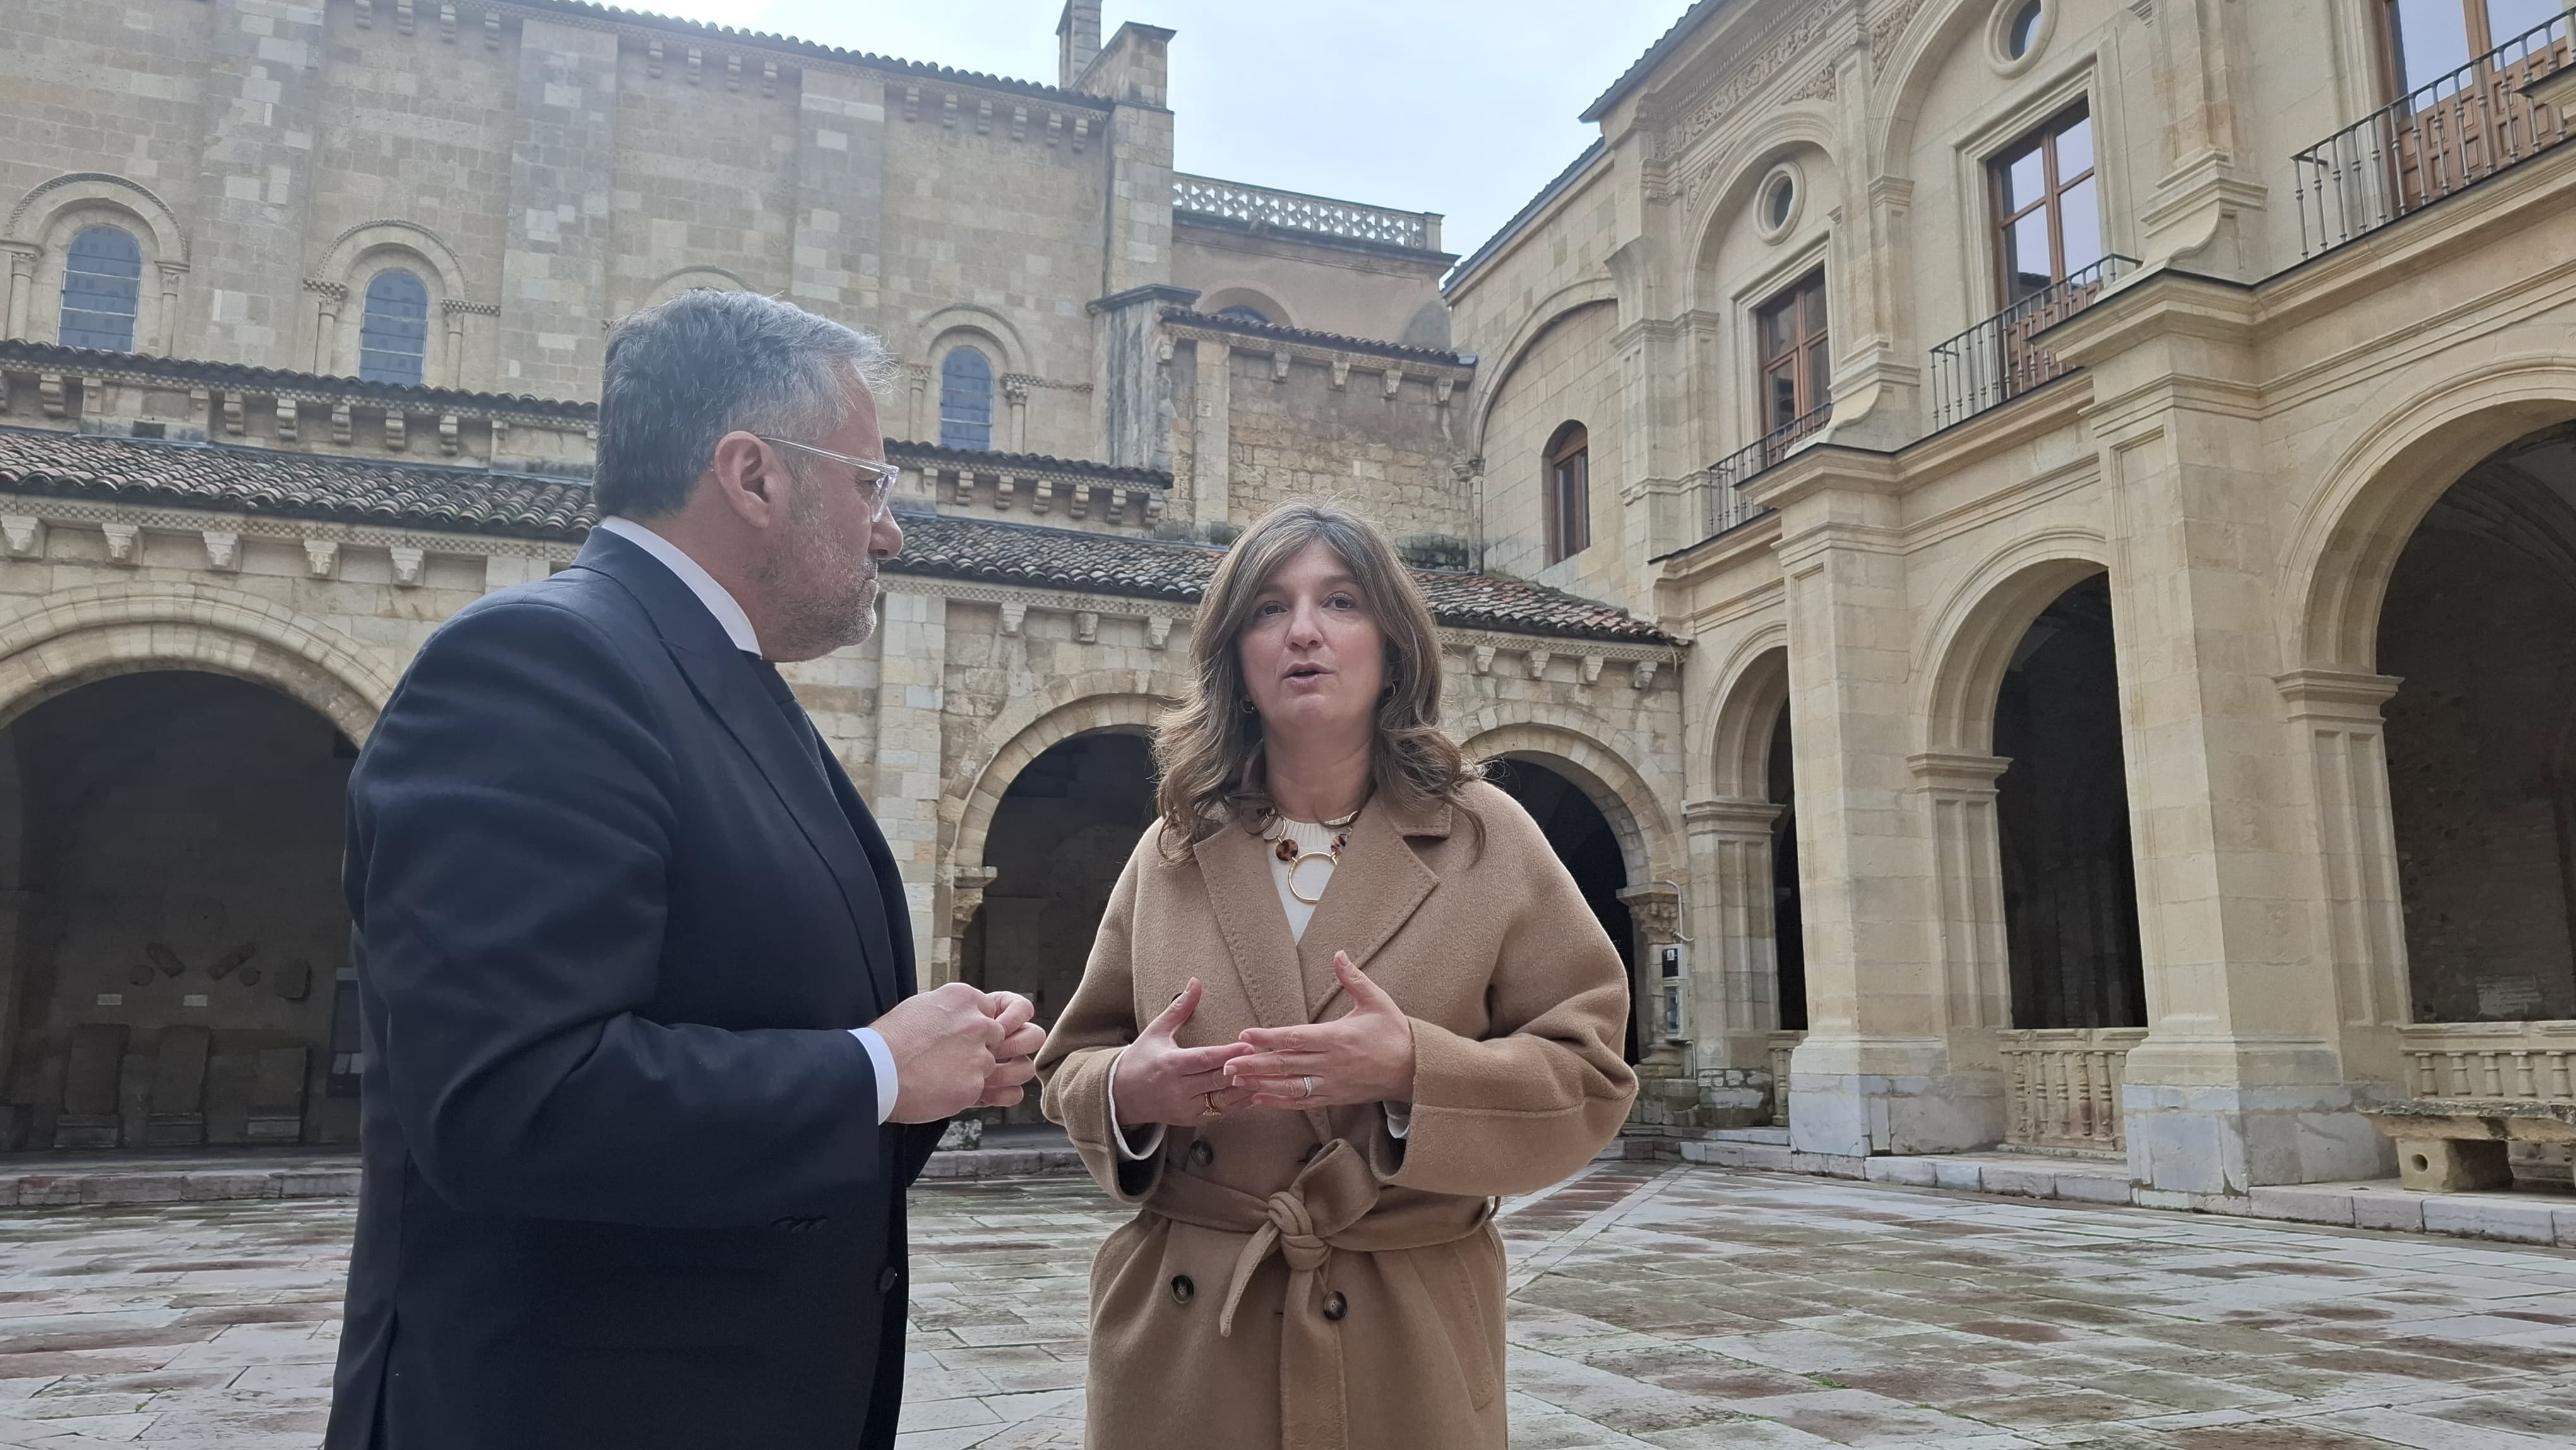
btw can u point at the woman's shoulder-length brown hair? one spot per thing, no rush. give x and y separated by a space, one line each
1208 748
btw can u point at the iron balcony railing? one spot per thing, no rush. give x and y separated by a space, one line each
1295 212
1727 506
1997 361
2436 140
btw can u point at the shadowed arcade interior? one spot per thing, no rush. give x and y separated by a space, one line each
2062 819
174 937
2479 625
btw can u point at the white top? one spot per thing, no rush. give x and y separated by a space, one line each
1312 842
737 627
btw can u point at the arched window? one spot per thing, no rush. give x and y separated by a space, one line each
1243 312
1569 492
965 400
102 276
394 340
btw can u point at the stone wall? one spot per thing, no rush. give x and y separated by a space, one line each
1308 435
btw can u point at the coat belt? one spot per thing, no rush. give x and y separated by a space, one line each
1331 1204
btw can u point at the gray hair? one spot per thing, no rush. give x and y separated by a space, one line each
686 372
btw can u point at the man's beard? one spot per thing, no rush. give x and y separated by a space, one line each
824 593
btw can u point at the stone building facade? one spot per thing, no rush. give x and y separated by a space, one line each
304 315
2119 457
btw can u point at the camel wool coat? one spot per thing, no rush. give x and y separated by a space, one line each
1306 1280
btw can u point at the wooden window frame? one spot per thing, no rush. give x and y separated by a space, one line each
1569 506
2392 52
1806 389
2053 189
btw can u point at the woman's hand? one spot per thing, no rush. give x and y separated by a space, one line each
1363 1056
1159 1081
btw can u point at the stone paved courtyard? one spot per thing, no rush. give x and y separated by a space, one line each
1652 1306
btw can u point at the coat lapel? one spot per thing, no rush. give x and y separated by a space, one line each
725 683
1236 872
1375 889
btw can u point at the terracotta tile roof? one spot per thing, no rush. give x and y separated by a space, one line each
396 494
1042 558
293 485
196 372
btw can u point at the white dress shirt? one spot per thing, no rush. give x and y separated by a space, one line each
737 627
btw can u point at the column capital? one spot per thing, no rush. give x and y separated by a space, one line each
1728 816
2350 696
1657 907
1948 771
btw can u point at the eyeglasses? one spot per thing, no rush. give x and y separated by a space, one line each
875 480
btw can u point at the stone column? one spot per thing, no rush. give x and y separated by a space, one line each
1735 966
944 961
563 165
1968 891
22 288
1879 1071
2360 915
1668 1091
328 298
903 783
2241 1080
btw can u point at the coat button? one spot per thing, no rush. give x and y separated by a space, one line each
1182 1289
1335 1306
1201 1155
887 1280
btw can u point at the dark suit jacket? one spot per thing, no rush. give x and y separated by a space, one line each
624 1182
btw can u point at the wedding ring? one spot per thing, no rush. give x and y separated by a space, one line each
1310 1086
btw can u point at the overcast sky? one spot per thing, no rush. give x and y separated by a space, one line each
1464 107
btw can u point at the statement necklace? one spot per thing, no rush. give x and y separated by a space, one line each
1289 850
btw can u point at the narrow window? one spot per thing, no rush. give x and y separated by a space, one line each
102 276
393 341
966 400
1797 358
1569 493
2049 206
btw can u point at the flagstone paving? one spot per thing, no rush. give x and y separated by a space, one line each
1651 1306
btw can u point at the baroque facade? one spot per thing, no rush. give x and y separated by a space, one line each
2113 465
304 315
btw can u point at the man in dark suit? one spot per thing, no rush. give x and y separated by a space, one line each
646 1076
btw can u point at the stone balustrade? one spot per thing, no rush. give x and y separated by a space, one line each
2065 1086
2522 1061
1290 211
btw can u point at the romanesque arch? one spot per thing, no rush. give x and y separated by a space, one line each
1076 705
1646 842
83 635
1753 688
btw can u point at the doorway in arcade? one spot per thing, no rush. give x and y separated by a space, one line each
172 940
1584 840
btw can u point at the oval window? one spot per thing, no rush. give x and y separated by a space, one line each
1779 199
2024 31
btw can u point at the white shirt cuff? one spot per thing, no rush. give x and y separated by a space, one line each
883 1056
1118 1135
1399 1119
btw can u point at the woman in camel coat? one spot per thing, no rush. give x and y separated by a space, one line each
1344 997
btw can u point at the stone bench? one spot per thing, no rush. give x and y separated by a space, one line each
2446 1145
